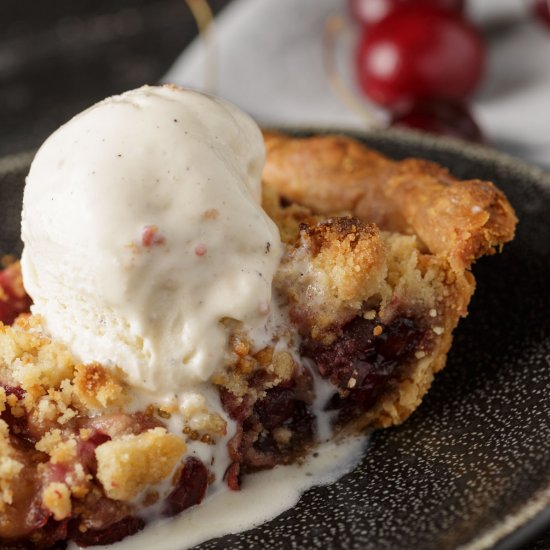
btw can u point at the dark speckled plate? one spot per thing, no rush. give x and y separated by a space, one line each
471 468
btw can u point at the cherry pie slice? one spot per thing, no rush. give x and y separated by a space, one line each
374 279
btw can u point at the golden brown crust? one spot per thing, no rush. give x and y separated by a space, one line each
459 220
325 173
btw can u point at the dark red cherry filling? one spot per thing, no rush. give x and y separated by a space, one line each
362 364
190 488
272 430
364 361
281 409
126 527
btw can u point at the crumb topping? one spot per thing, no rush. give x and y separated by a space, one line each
57 498
97 388
9 467
81 451
126 466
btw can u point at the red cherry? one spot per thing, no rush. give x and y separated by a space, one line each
369 12
541 8
443 117
417 53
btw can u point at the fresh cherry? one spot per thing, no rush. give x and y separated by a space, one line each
369 12
541 9
443 117
417 53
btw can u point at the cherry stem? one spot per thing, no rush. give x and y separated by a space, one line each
204 19
334 25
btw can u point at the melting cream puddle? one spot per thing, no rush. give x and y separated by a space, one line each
264 496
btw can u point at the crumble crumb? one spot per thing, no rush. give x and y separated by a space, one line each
60 449
9 467
97 388
127 465
57 498
199 419
2 399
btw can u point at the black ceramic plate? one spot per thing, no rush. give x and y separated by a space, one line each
471 468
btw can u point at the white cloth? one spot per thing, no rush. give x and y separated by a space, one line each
270 63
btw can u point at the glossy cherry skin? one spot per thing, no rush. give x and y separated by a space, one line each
541 8
442 117
417 53
369 12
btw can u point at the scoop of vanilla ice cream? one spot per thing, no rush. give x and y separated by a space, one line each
143 231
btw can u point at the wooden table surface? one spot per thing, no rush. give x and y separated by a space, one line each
58 57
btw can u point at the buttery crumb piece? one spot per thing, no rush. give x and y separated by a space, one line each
85 434
264 356
96 387
282 435
9 467
2 399
33 359
57 499
283 365
350 253
78 481
58 403
49 442
329 276
128 465
245 365
199 419
239 345
61 450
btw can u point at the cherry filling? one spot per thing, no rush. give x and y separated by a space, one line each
282 414
190 488
362 364
364 361
117 531
272 430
